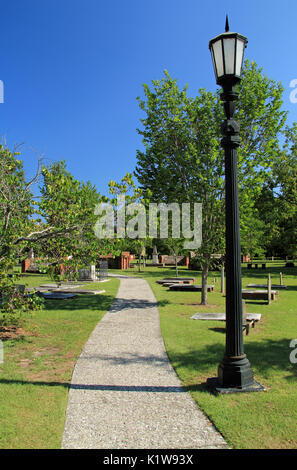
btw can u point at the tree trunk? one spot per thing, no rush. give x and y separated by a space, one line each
204 284
176 267
139 261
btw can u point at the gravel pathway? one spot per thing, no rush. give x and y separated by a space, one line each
124 392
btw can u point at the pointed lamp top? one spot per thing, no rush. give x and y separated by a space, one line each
227 25
227 52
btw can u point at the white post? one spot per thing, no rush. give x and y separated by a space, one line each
1 353
269 288
222 280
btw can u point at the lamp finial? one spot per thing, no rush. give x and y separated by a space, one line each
227 24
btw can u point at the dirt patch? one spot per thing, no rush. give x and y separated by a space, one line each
14 332
25 363
46 351
11 332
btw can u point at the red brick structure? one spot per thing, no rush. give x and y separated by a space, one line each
30 265
125 260
246 258
118 262
26 265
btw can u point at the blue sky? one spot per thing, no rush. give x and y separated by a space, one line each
72 69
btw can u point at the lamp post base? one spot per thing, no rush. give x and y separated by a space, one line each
234 375
215 387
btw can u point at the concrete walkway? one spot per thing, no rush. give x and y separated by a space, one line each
124 392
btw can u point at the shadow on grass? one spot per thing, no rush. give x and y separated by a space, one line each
100 302
162 273
218 330
289 288
113 388
268 357
81 302
275 270
256 302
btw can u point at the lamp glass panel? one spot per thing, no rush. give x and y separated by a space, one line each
213 62
229 51
218 57
239 56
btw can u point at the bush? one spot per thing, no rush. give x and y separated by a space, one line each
14 303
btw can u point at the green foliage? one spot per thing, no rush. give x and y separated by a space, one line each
67 207
182 160
15 305
16 207
16 204
285 173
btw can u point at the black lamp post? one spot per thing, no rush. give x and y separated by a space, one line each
234 372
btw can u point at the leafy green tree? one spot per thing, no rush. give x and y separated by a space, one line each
16 226
252 235
133 196
285 172
16 205
67 207
175 246
182 160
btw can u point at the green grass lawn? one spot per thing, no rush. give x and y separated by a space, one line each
38 366
264 420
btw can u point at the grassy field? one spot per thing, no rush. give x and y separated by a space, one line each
264 420
38 366
39 362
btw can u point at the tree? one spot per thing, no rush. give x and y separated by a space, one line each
175 246
16 208
136 238
252 235
16 205
67 206
182 160
285 172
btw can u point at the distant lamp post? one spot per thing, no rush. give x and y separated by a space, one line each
234 372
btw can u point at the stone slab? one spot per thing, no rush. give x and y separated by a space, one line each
57 295
190 287
175 280
64 286
79 291
222 316
263 286
258 294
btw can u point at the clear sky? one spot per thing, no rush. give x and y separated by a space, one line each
72 69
